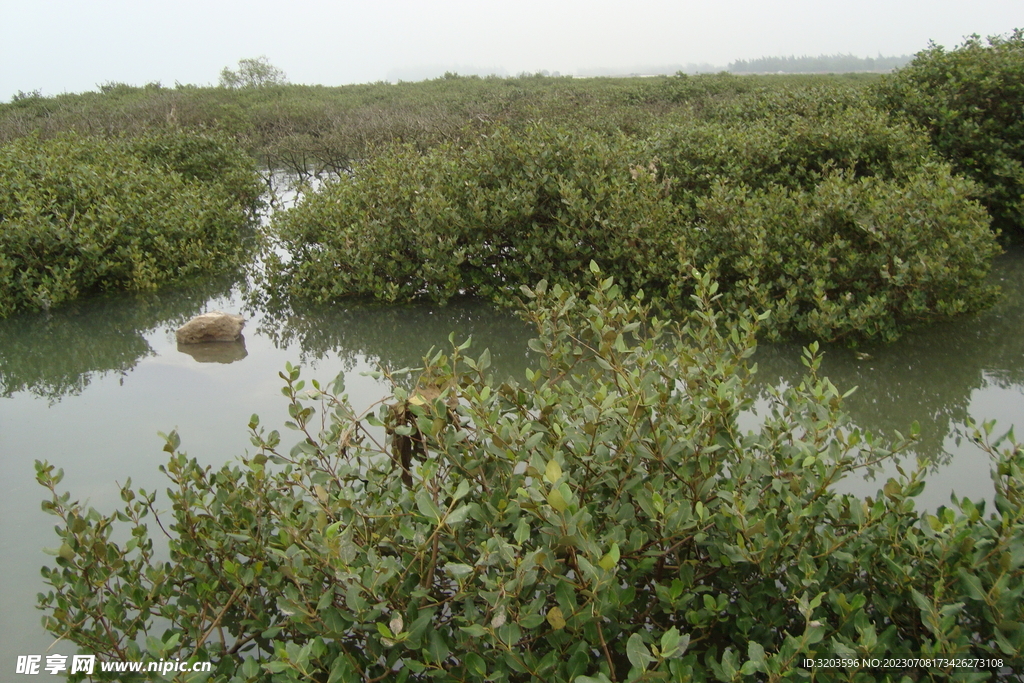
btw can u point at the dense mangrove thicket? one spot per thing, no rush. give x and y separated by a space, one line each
313 129
823 199
606 520
841 222
80 214
970 100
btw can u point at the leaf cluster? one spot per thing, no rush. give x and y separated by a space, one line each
82 214
969 100
606 520
817 207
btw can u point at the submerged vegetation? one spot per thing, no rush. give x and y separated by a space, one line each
606 520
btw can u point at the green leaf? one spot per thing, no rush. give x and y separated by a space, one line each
458 515
637 652
531 621
1005 646
522 532
922 602
438 648
461 490
755 653
457 569
475 663
426 506
673 644
972 585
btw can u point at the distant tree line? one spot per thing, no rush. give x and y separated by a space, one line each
820 64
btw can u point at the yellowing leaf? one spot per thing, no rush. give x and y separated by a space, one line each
611 558
555 618
553 472
556 500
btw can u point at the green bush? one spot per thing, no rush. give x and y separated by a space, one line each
80 214
843 226
851 258
786 138
606 520
512 208
970 99
210 158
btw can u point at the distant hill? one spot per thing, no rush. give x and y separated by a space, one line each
821 64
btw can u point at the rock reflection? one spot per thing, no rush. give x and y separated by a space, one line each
216 352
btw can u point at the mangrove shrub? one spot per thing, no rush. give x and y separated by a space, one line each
851 258
852 231
787 138
970 99
604 520
517 207
82 214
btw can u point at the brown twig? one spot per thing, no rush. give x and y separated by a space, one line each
604 647
216 622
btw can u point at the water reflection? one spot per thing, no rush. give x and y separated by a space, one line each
932 375
58 354
398 336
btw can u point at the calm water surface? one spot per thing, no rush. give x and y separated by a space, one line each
89 386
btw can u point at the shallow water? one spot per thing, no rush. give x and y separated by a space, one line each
88 388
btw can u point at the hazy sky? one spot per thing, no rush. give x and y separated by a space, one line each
74 45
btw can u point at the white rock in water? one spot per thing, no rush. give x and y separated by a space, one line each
215 326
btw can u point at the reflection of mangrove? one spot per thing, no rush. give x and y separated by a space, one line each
400 336
216 352
56 354
929 375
